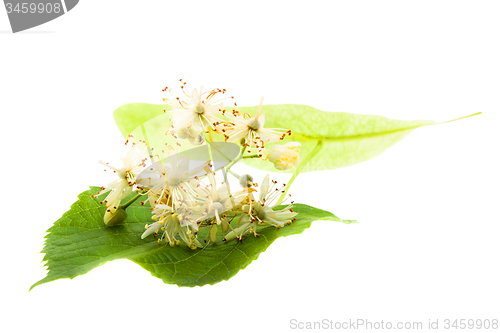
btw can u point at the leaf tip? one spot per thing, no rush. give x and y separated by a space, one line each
34 285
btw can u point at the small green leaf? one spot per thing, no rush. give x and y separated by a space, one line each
79 241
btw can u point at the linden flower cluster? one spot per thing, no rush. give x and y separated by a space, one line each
188 204
200 112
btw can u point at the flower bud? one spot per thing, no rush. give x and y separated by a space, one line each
246 181
284 156
116 217
192 134
182 133
225 225
197 140
213 233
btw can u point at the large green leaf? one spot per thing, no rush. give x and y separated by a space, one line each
79 241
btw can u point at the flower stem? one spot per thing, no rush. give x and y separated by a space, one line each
217 149
131 201
150 153
239 157
234 174
303 163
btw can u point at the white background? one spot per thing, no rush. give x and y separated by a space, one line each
427 246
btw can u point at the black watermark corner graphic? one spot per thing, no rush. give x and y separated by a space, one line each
26 14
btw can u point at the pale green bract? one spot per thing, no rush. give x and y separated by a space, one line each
329 140
79 242
336 139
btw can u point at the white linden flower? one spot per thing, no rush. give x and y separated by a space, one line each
252 130
173 225
218 202
195 110
178 183
284 156
261 213
132 165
